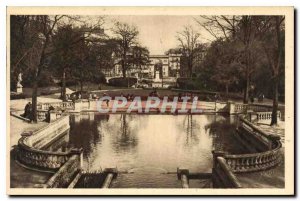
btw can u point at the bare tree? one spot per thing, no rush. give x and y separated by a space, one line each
271 32
241 30
71 34
127 36
188 39
47 24
223 26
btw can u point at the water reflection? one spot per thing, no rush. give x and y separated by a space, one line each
221 129
158 142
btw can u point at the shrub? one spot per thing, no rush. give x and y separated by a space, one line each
187 83
122 82
14 96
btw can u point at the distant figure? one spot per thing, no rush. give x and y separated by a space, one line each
107 100
48 113
217 97
79 96
261 97
179 97
251 98
94 96
27 111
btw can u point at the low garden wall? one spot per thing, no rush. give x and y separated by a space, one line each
222 175
66 174
264 154
30 147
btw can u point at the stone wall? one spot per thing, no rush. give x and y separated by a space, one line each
30 151
64 176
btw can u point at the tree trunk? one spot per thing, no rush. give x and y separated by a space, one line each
63 94
246 90
277 62
34 101
190 67
81 85
227 89
123 69
275 101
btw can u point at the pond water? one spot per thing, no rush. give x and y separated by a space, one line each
149 144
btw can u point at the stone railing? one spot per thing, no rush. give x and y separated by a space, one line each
260 116
254 162
239 108
264 154
41 159
257 139
41 114
265 148
62 105
76 106
222 174
47 134
30 147
95 179
54 114
259 108
65 175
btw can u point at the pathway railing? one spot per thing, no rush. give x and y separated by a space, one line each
30 151
254 162
264 111
269 157
62 105
222 175
266 115
64 176
239 108
248 130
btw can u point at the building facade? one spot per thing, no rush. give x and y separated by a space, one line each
167 65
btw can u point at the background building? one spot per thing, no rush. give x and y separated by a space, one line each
167 65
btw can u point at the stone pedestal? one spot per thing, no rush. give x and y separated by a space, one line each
77 105
156 78
156 81
231 107
19 89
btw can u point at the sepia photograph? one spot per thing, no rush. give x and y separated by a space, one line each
150 101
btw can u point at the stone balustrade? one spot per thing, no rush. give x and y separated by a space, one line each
264 157
266 115
259 107
222 175
62 105
254 162
47 134
64 176
41 114
258 139
240 108
30 147
264 148
54 114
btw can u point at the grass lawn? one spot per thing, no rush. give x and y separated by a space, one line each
136 92
93 87
114 91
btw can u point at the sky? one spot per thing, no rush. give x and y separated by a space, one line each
158 33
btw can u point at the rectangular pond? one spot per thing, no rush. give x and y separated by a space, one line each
144 145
